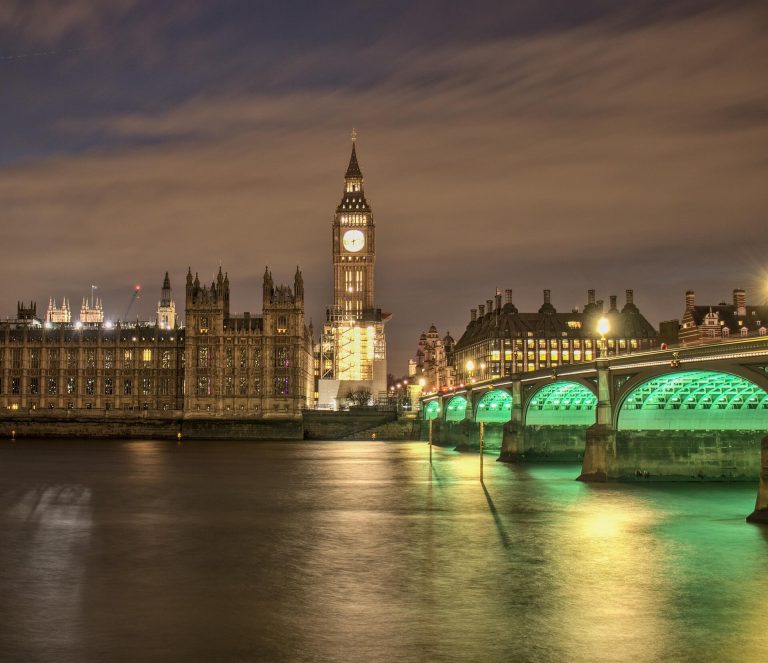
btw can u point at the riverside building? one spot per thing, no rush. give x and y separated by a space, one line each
353 350
217 365
500 340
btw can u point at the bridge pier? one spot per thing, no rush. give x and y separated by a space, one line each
512 443
599 454
600 449
760 514
513 435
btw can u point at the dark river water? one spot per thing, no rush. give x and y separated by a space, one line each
134 551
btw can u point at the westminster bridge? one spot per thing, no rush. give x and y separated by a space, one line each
693 413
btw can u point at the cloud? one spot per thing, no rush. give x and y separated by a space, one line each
46 21
603 155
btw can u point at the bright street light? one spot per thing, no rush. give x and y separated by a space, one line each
603 326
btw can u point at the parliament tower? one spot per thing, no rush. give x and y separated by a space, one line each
353 345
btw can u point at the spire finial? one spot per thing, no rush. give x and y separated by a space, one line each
354 134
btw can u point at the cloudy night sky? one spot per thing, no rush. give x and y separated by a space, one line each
557 144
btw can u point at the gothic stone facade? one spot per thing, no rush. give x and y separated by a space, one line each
261 366
219 365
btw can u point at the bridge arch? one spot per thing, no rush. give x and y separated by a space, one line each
562 403
494 407
694 400
456 410
432 410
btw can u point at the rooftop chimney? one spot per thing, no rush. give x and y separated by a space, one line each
740 301
613 302
591 296
481 309
498 302
489 305
690 300
473 314
547 297
507 296
600 304
630 296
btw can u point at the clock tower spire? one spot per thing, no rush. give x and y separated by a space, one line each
353 342
354 247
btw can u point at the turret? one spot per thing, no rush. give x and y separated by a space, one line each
298 285
268 286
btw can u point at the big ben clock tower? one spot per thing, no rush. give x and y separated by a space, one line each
353 346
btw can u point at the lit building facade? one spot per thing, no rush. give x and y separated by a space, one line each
708 323
353 354
58 314
92 314
166 307
218 366
255 365
434 361
499 340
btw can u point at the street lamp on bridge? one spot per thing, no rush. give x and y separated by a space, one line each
603 327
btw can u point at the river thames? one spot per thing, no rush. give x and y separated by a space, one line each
126 551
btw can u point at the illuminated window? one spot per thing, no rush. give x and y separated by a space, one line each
71 385
202 357
203 386
34 359
71 358
146 386
90 386
127 358
90 358
107 386
109 359
165 359
146 355
243 386
52 386
204 325
127 387
243 358
229 385
34 386
229 358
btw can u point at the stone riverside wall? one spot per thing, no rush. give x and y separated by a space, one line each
686 455
392 431
138 426
86 425
314 425
330 425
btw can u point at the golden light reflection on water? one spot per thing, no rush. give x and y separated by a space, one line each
362 551
611 571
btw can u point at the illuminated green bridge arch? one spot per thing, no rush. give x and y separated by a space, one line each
695 400
432 410
456 410
495 406
562 404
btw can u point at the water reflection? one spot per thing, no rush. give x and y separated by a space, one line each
363 552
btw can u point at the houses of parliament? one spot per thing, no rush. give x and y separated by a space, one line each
210 363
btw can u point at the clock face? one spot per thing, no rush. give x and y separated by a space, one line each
353 240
